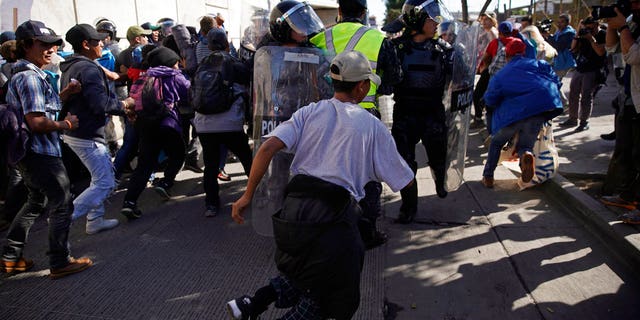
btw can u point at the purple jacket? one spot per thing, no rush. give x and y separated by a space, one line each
175 87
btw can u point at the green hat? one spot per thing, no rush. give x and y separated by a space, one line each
135 31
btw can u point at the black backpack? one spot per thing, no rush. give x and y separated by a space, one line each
151 106
211 89
14 132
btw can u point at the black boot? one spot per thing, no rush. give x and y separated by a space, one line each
439 179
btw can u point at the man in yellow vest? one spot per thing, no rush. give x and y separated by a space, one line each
351 34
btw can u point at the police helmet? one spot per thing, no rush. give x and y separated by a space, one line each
448 27
416 12
166 24
107 26
293 15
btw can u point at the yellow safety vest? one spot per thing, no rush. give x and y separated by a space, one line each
348 36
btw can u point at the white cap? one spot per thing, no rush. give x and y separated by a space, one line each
352 66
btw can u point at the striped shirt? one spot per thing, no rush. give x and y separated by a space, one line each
31 91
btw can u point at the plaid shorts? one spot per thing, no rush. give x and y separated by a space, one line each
302 306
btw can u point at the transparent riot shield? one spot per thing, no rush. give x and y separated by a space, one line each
458 99
254 29
284 80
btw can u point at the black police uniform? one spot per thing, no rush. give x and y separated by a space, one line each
419 114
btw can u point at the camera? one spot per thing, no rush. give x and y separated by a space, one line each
544 25
603 12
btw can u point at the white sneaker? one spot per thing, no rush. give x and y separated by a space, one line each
99 224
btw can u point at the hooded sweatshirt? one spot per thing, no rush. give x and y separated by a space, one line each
175 87
93 103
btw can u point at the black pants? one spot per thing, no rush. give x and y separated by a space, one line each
16 194
238 143
409 129
624 166
48 183
153 139
478 93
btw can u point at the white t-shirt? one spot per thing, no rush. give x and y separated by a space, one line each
343 144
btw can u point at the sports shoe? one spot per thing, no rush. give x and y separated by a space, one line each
100 224
584 125
192 165
405 217
631 217
487 182
211 211
527 166
616 201
569 123
441 192
608 136
223 176
161 186
74 266
21 265
130 210
378 239
240 308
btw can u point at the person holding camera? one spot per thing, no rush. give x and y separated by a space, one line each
624 37
588 48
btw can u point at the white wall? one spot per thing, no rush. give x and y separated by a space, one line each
60 15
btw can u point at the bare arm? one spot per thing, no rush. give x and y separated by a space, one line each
39 123
486 61
260 164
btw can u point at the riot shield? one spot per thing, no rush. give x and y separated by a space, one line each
254 29
284 79
457 100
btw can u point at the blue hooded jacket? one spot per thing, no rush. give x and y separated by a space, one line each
561 41
523 88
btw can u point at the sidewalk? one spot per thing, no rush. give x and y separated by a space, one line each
585 155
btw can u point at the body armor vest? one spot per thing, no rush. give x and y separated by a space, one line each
423 66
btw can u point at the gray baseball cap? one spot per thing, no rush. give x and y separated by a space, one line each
352 66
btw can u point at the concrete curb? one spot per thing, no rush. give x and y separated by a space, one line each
622 239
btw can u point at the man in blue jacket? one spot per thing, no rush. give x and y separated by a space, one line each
521 97
561 41
92 105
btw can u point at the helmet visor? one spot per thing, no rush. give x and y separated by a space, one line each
436 10
303 19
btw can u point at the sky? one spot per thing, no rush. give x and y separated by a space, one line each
378 8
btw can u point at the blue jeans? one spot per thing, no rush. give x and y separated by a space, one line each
46 179
95 156
527 129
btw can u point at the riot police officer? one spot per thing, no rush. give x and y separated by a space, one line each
419 113
351 33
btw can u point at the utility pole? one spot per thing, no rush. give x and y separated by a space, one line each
545 7
75 10
465 11
484 7
531 9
